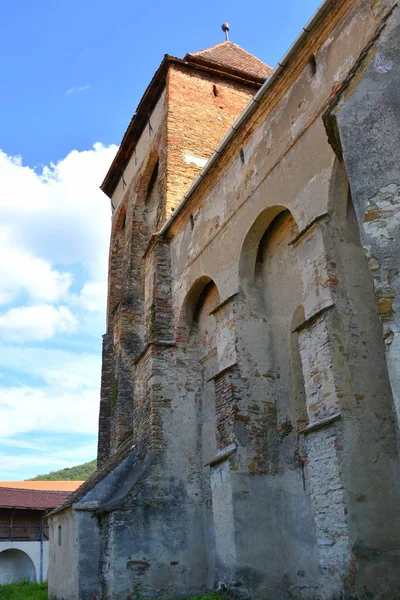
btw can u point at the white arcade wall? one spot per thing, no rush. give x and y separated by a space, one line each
23 561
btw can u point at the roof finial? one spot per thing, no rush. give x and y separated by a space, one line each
225 28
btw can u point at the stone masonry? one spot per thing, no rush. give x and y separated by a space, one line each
250 392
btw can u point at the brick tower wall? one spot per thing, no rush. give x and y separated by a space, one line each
201 109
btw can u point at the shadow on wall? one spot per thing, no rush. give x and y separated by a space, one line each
16 565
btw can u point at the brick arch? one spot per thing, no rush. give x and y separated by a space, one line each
198 337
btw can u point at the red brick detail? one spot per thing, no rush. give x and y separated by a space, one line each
158 302
227 396
107 390
197 121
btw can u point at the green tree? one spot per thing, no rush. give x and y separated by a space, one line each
77 473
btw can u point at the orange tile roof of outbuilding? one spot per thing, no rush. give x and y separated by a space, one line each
53 486
33 499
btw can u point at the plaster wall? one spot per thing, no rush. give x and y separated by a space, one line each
287 136
289 164
89 545
63 558
143 149
368 111
15 566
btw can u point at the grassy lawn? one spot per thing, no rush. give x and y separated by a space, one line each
23 591
209 597
38 591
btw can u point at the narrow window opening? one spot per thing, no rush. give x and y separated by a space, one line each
241 153
124 221
215 90
191 222
59 535
152 182
312 65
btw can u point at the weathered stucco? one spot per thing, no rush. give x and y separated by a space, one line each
63 557
250 364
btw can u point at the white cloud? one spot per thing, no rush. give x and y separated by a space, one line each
26 409
36 323
66 401
23 272
78 88
60 368
93 296
54 235
58 215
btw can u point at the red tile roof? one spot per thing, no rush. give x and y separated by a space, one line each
231 56
35 499
225 60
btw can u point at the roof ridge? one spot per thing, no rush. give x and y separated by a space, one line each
226 43
231 58
101 473
212 47
24 490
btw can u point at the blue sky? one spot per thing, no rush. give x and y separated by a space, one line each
72 75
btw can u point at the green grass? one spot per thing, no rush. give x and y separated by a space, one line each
23 591
207 597
38 591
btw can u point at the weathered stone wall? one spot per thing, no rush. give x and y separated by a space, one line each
182 132
289 165
368 112
138 212
244 353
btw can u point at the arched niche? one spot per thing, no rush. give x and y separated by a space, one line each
250 251
191 305
271 278
16 565
116 260
198 335
149 193
278 292
147 173
204 326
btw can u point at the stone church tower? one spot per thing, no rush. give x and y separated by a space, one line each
250 393
185 112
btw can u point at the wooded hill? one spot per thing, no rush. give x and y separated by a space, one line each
78 473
